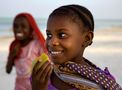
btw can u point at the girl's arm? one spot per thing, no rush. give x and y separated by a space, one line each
13 53
9 66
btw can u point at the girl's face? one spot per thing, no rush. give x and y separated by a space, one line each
22 28
64 40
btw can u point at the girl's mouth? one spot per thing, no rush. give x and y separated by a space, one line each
19 34
55 52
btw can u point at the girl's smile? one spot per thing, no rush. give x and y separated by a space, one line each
62 37
19 35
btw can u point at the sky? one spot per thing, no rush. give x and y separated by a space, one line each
101 9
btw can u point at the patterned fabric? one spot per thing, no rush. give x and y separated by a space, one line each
74 79
96 75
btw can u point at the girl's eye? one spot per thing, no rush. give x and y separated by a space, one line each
49 36
62 35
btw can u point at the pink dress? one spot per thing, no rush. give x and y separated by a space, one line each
24 63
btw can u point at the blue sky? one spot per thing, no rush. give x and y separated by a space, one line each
101 9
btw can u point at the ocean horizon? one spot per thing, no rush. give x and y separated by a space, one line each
6 24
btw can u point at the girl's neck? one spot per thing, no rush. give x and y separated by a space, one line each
25 42
81 60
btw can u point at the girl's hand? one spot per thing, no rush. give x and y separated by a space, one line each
15 51
9 66
41 75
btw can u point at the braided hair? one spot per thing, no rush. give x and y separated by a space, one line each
77 13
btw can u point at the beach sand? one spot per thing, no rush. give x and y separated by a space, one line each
106 51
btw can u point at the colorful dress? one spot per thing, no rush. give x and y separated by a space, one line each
24 63
25 55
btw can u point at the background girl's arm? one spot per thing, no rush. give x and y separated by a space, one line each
13 53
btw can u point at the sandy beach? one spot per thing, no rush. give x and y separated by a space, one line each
106 51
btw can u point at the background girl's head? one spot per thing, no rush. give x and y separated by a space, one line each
25 29
24 25
69 30
22 28
36 33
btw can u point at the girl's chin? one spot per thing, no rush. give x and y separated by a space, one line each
57 62
19 38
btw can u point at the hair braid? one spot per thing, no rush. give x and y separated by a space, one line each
76 13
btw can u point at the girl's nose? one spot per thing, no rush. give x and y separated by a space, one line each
18 29
54 42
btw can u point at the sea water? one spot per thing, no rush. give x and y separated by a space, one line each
6 25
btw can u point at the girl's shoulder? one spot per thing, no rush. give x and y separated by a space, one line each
105 71
103 77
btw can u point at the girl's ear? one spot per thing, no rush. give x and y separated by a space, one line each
88 37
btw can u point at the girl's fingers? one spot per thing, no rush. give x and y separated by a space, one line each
44 76
42 59
49 73
41 77
37 65
42 69
34 68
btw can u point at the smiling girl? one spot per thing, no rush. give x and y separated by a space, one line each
28 44
70 29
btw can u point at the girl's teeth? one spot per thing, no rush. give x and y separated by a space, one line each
55 52
19 34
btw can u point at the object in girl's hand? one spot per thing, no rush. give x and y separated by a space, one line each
42 59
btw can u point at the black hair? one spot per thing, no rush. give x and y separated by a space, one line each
77 13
